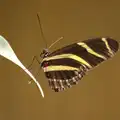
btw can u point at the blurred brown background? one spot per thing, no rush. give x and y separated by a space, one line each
96 97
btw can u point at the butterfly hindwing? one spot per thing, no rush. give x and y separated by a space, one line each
66 66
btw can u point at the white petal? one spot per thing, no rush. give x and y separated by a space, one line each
7 52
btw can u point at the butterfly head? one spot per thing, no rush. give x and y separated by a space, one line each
44 53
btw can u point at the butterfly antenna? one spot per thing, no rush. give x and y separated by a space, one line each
55 42
41 30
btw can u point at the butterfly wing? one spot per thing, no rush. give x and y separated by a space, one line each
66 66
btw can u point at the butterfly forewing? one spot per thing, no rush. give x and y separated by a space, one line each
66 66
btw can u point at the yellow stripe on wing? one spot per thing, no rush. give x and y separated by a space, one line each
70 56
82 44
107 46
59 68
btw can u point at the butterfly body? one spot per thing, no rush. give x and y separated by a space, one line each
66 66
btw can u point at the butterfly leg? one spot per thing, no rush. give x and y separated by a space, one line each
34 58
29 67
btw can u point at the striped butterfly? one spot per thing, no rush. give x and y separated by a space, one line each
66 66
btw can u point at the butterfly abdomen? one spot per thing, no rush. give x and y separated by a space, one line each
66 66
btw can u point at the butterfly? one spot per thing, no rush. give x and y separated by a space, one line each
66 66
